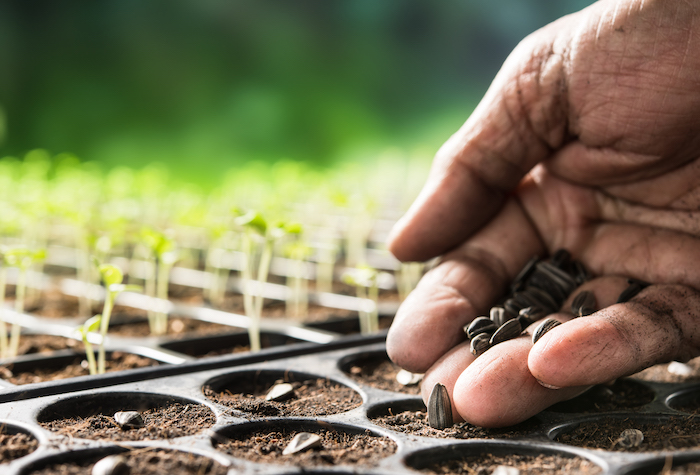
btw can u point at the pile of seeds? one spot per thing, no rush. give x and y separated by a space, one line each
539 289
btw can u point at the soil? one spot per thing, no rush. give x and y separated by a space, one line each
147 461
41 371
311 397
30 344
14 446
415 422
623 394
379 373
676 433
163 422
337 447
177 327
659 373
527 464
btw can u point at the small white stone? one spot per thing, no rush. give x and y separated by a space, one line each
407 378
279 392
505 470
680 369
302 441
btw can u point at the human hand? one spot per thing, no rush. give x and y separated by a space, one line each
589 140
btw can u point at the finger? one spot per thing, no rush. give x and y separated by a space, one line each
519 121
496 389
464 285
658 325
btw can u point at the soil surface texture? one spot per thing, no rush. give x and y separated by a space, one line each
13 446
146 461
416 423
527 464
313 397
337 447
623 394
44 371
675 433
380 373
167 422
177 327
30 344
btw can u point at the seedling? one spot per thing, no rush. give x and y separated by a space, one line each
258 240
90 326
163 251
365 279
112 277
22 258
297 279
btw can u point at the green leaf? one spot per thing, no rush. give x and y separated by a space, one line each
253 220
90 325
111 274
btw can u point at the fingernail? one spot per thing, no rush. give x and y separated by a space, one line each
548 386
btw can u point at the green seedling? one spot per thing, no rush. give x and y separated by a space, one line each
112 277
297 281
220 241
365 279
90 326
22 258
164 256
258 242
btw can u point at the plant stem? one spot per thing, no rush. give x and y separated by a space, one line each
90 354
364 316
248 303
20 290
104 326
150 290
161 318
373 317
3 325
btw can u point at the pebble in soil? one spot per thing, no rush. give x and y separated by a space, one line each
410 417
379 372
15 445
623 394
531 464
337 446
674 433
312 396
146 461
161 422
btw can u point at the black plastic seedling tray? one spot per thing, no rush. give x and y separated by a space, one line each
22 408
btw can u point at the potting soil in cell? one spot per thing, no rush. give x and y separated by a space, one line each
526 464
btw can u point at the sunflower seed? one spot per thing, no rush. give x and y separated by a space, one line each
545 300
629 292
302 441
561 259
507 331
499 316
583 304
280 392
480 325
480 343
530 315
580 273
543 328
111 465
524 274
129 420
406 378
439 408
556 276
630 438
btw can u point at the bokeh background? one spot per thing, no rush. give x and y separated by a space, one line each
206 85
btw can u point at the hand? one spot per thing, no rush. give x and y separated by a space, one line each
589 140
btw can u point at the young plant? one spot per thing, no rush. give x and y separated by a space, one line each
90 326
257 246
112 277
22 258
297 279
164 255
365 279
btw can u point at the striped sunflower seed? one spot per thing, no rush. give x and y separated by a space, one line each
630 438
498 315
635 286
480 325
439 408
561 259
524 274
301 442
129 419
480 343
507 331
545 300
543 328
583 304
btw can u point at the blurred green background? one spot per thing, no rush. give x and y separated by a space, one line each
203 85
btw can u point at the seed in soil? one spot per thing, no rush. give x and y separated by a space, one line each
302 441
129 419
264 442
543 328
280 392
583 304
378 371
630 438
439 408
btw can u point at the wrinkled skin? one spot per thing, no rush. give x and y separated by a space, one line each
588 139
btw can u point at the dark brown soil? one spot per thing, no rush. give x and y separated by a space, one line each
36 344
623 394
527 464
14 446
337 447
380 373
166 422
147 461
659 373
313 397
117 361
177 327
676 433
416 423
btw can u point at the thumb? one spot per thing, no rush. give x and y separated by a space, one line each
520 120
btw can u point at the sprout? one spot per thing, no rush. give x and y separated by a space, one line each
298 301
365 279
90 326
22 258
162 249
